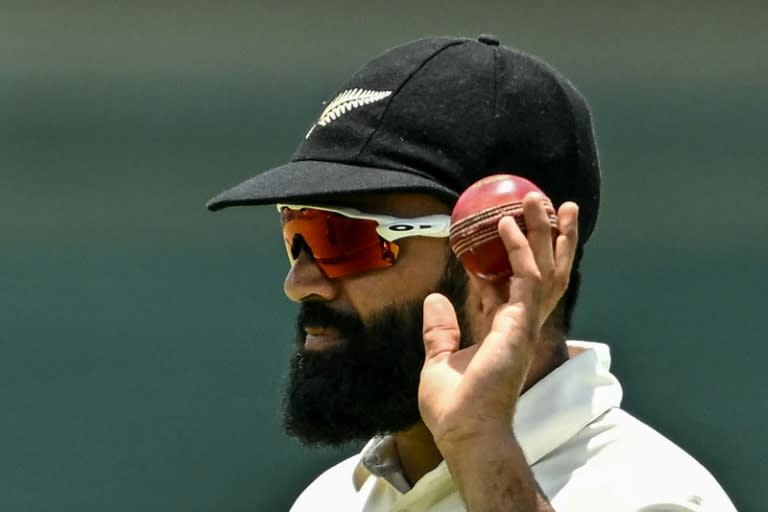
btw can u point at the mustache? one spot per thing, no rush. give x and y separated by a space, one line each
319 314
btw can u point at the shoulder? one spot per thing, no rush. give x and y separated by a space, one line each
622 462
334 486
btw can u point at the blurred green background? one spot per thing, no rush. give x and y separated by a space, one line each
143 341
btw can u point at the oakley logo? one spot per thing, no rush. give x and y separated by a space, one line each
345 102
407 227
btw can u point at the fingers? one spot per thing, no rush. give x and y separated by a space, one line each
539 232
530 255
518 249
549 258
539 266
566 242
441 328
523 286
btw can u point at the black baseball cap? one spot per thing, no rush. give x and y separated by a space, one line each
435 115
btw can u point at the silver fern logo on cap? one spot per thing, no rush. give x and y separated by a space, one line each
346 101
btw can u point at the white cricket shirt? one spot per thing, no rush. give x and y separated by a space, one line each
585 453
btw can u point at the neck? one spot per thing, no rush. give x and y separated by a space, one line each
544 365
551 352
417 451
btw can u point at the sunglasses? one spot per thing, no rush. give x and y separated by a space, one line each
345 241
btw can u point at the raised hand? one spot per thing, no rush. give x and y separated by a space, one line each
467 396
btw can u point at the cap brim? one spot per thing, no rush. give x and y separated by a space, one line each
317 180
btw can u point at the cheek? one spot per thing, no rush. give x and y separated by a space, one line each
415 274
371 292
421 265
424 254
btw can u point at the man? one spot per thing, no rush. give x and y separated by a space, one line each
467 389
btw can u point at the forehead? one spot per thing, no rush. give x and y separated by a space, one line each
405 204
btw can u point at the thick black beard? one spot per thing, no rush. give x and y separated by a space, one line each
369 385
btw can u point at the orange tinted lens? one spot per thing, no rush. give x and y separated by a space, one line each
340 245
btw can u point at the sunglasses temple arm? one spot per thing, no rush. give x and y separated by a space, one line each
436 226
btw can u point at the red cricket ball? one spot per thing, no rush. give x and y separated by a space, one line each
474 235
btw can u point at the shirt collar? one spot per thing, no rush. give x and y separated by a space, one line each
566 400
549 413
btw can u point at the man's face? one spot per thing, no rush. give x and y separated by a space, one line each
359 352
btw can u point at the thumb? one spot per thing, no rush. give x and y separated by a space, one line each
441 328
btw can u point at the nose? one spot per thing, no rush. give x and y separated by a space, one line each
305 281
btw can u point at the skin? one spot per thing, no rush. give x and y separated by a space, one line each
467 397
419 264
